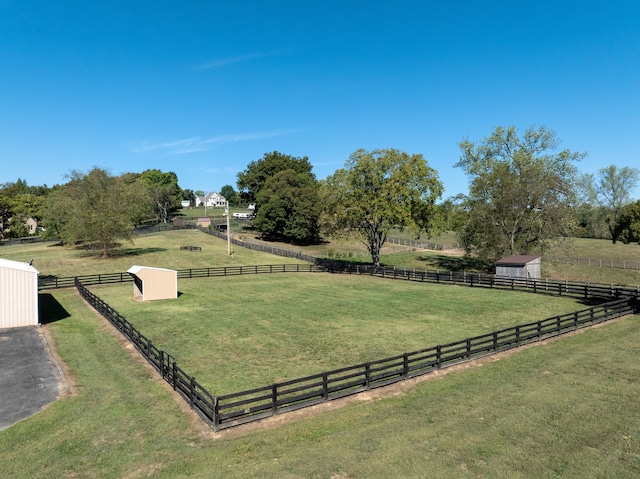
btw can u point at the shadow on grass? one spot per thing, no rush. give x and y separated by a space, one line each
50 310
120 253
459 263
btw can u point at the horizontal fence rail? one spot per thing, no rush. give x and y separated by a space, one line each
573 289
598 263
417 244
197 396
254 404
53 282
238 408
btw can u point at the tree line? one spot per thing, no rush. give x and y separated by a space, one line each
524 193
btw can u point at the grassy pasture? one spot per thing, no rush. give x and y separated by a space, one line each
160 250
566 409
242 332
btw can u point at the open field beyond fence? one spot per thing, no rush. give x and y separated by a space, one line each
564 409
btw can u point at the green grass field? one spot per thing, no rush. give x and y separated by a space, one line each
242 332
566 409
161 250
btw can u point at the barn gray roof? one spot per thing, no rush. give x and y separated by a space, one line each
517 260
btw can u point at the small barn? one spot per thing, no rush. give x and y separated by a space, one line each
519 266
204 221
18 294
150 284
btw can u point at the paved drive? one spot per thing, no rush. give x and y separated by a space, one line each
27 376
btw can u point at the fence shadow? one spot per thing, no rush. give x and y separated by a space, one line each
49 309
459 263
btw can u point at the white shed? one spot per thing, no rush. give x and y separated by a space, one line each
519 266
18 294
153 283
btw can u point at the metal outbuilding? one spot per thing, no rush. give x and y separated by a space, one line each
153 283
519 266
18 294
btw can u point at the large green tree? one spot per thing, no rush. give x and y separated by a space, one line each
377 190
165 195
521 191
289 207
252 179
629 223
611 191
230 195
95 208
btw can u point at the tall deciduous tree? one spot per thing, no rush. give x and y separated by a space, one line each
253 178
289 207
377 190
230 195
611 191
629 225
96 208
164 193
520 193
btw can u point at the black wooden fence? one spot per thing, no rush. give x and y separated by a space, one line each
574 289
254 404
55 282
193 392
598 263
230 410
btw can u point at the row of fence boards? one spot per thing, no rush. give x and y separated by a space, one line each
230 410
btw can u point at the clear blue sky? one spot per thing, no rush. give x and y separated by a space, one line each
202 88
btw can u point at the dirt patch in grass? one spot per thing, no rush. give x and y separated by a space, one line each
66 380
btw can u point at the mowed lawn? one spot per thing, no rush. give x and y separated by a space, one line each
161 250
566 409
240 332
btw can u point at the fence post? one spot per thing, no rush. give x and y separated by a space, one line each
174 374
274 399
405 365
325 386
539 325
216 414
438 356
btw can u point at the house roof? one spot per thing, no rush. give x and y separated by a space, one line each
135 269
518 260
17 265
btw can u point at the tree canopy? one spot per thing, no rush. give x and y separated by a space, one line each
289 207
230 195
520 193
163 191
377 190
629 223
611 192
253 178
19 202
95 208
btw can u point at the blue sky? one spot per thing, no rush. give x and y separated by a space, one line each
202 88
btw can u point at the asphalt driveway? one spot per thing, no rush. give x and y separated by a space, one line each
28 381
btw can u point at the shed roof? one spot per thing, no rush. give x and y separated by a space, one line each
519 259
18 265
135 269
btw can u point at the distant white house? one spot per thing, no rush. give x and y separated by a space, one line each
185 203
212 199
